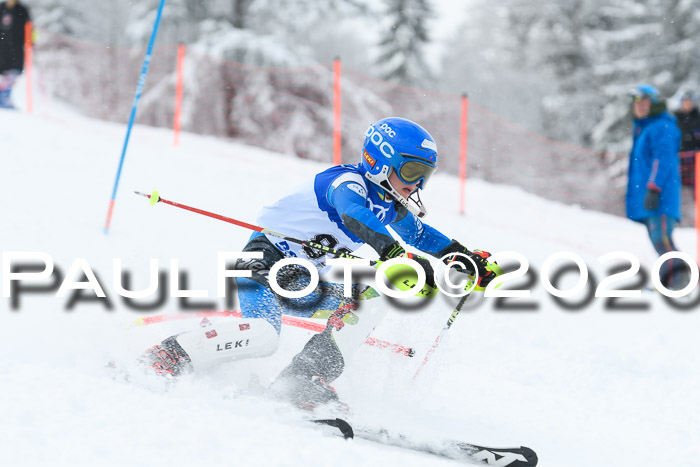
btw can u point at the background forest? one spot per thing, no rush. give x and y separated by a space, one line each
259 70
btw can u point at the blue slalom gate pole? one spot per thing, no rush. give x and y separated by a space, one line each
132 117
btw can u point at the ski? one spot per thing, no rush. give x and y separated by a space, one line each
457 450
344 427
461 451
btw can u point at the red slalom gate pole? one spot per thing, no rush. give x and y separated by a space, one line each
286 320
28 32
178 91
337 134
463 152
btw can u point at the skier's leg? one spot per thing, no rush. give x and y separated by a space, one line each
673 272
228 340
7 80
323 357
305 380
254 335
3 90
325 354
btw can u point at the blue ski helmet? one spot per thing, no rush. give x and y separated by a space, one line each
402 145
643 91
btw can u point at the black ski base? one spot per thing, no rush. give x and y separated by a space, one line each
458 450
511 457
340 424
466 452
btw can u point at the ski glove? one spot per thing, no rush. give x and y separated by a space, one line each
651 200
478 256
395 250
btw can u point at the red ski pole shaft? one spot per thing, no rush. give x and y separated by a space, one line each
306 243
201 211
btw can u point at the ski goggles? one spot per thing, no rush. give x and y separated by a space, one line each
637 95
412 171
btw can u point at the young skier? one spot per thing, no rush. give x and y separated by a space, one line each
342 208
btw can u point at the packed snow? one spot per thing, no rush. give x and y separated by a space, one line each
582 388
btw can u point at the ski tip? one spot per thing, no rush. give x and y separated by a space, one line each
155 197
344 427
530 455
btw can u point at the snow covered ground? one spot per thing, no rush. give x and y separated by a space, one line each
582 388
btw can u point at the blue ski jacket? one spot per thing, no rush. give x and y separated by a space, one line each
654 164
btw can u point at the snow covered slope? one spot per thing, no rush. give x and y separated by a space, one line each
583 388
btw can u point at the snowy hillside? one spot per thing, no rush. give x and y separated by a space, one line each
583 388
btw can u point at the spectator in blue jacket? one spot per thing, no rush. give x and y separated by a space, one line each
654 185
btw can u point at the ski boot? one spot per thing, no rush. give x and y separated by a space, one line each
305 381
167 359
308 393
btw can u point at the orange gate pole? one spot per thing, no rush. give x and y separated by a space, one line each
178 91
337 139
463 152
28 63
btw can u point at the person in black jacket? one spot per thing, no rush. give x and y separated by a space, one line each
689 123
13 18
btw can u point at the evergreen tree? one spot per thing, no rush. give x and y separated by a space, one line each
640 42
402 49
585 55
488 63
684 27
79 19
563 51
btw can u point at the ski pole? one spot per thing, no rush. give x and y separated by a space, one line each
426 291
155 198
445 328
494 268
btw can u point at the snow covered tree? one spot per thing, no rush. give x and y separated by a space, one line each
683 26
242 71
573 63
402 48
486 59
584 55
78 19
641 42
562 49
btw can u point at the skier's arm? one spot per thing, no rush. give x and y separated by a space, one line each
430 240
665 145
417 234
348 200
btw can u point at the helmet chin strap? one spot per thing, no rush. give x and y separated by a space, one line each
414 205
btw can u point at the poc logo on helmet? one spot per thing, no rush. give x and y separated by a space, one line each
390 133
378 140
